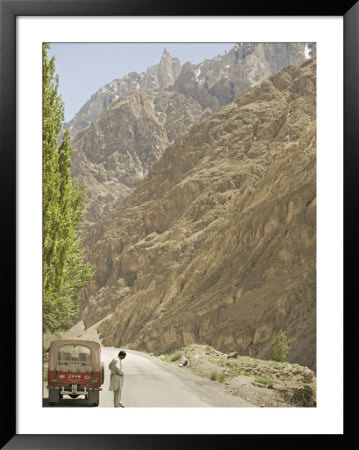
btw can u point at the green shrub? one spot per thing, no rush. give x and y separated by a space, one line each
232 363
221 378
236 372
263 380
215 376
280 347
173 357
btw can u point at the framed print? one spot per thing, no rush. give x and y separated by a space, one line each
25 26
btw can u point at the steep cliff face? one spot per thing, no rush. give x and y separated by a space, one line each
114 152
217 245
163 74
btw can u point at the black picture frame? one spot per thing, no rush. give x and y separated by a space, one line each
9 10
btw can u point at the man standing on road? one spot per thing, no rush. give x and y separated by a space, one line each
116 380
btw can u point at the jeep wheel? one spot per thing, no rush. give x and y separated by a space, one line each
93 398
54 396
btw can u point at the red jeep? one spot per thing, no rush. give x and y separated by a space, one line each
75 368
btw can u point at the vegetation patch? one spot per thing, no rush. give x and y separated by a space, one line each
173 357
264 380
215 376
283 384
231 363
218 360
48 337
280 347
235 372
63 204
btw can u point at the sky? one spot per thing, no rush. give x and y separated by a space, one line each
83 68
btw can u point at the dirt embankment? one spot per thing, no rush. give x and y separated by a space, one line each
263 383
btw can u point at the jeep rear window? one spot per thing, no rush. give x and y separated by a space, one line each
74 355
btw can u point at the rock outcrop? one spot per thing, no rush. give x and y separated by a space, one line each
219 81
114 154
159 76
131 121
217 245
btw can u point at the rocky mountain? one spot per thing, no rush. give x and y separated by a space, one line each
217 245
114 153
159 76
219 81
265 59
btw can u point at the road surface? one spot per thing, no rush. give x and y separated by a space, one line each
150 382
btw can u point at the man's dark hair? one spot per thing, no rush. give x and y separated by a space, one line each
122 353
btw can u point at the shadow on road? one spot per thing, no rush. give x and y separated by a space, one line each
68 403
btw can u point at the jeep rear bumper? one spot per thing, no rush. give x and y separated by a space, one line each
74 389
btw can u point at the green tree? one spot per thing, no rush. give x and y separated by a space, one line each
64 203
280 347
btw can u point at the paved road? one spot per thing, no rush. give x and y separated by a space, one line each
150 383
146 383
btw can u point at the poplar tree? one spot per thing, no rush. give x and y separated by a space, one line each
64 202
280 347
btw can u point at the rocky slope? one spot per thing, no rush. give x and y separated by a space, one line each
217 245
263 383
114 153
159 76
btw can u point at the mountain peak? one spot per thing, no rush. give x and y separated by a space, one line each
166 56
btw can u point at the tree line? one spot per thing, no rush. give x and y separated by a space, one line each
64 203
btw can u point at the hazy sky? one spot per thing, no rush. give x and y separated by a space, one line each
85 67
